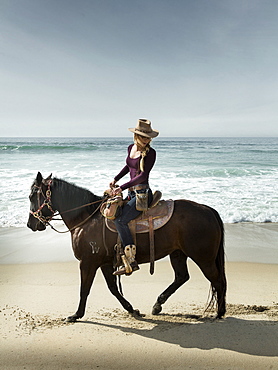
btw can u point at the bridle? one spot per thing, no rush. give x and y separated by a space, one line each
46 203
45 220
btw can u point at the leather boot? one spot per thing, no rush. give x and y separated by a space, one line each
130 265
134 263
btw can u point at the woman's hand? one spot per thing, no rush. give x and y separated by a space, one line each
117 190
112 184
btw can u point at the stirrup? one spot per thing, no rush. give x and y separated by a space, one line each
122 270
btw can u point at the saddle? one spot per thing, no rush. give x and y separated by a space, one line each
155 217
160 214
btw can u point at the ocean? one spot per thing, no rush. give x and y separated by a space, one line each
236 176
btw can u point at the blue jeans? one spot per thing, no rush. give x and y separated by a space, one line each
129 212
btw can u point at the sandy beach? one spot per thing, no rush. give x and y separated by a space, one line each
37 293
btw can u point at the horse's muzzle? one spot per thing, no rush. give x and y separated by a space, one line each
34 224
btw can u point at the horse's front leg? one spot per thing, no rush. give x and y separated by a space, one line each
87 272
107 271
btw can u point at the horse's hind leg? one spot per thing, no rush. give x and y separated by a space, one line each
107 271
178 261
219 287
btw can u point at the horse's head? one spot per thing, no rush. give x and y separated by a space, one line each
41 210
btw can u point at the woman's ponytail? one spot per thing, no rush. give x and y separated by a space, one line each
144 152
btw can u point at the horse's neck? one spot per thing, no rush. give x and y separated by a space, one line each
68 201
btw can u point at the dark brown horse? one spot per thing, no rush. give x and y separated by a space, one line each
194 231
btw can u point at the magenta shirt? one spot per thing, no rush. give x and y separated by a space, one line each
133 168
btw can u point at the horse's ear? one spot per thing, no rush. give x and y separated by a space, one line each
39 178
49 177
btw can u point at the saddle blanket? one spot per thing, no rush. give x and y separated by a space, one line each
160 214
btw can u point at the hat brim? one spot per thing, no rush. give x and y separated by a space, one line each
151 134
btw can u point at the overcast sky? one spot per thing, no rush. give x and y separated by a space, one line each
93 67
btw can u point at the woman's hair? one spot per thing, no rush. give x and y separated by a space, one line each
144 152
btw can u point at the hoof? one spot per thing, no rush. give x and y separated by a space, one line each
72 318
157 308
136 313
219 316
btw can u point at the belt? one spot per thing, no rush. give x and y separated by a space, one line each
139 187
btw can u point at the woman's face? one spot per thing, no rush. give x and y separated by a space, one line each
144 140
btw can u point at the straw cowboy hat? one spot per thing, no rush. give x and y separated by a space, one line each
144 128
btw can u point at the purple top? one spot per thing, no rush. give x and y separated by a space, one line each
133 168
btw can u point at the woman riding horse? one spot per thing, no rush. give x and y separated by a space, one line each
139 162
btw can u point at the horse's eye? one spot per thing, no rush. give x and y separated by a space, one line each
32 193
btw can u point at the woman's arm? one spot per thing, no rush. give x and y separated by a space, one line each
122 173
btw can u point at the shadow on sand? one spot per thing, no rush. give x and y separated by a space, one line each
253 337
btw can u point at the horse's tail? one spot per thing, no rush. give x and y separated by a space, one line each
220 264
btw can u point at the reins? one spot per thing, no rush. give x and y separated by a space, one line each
47 202
81 223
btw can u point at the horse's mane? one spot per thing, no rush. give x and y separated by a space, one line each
76 196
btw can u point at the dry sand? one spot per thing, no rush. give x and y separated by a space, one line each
36 297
